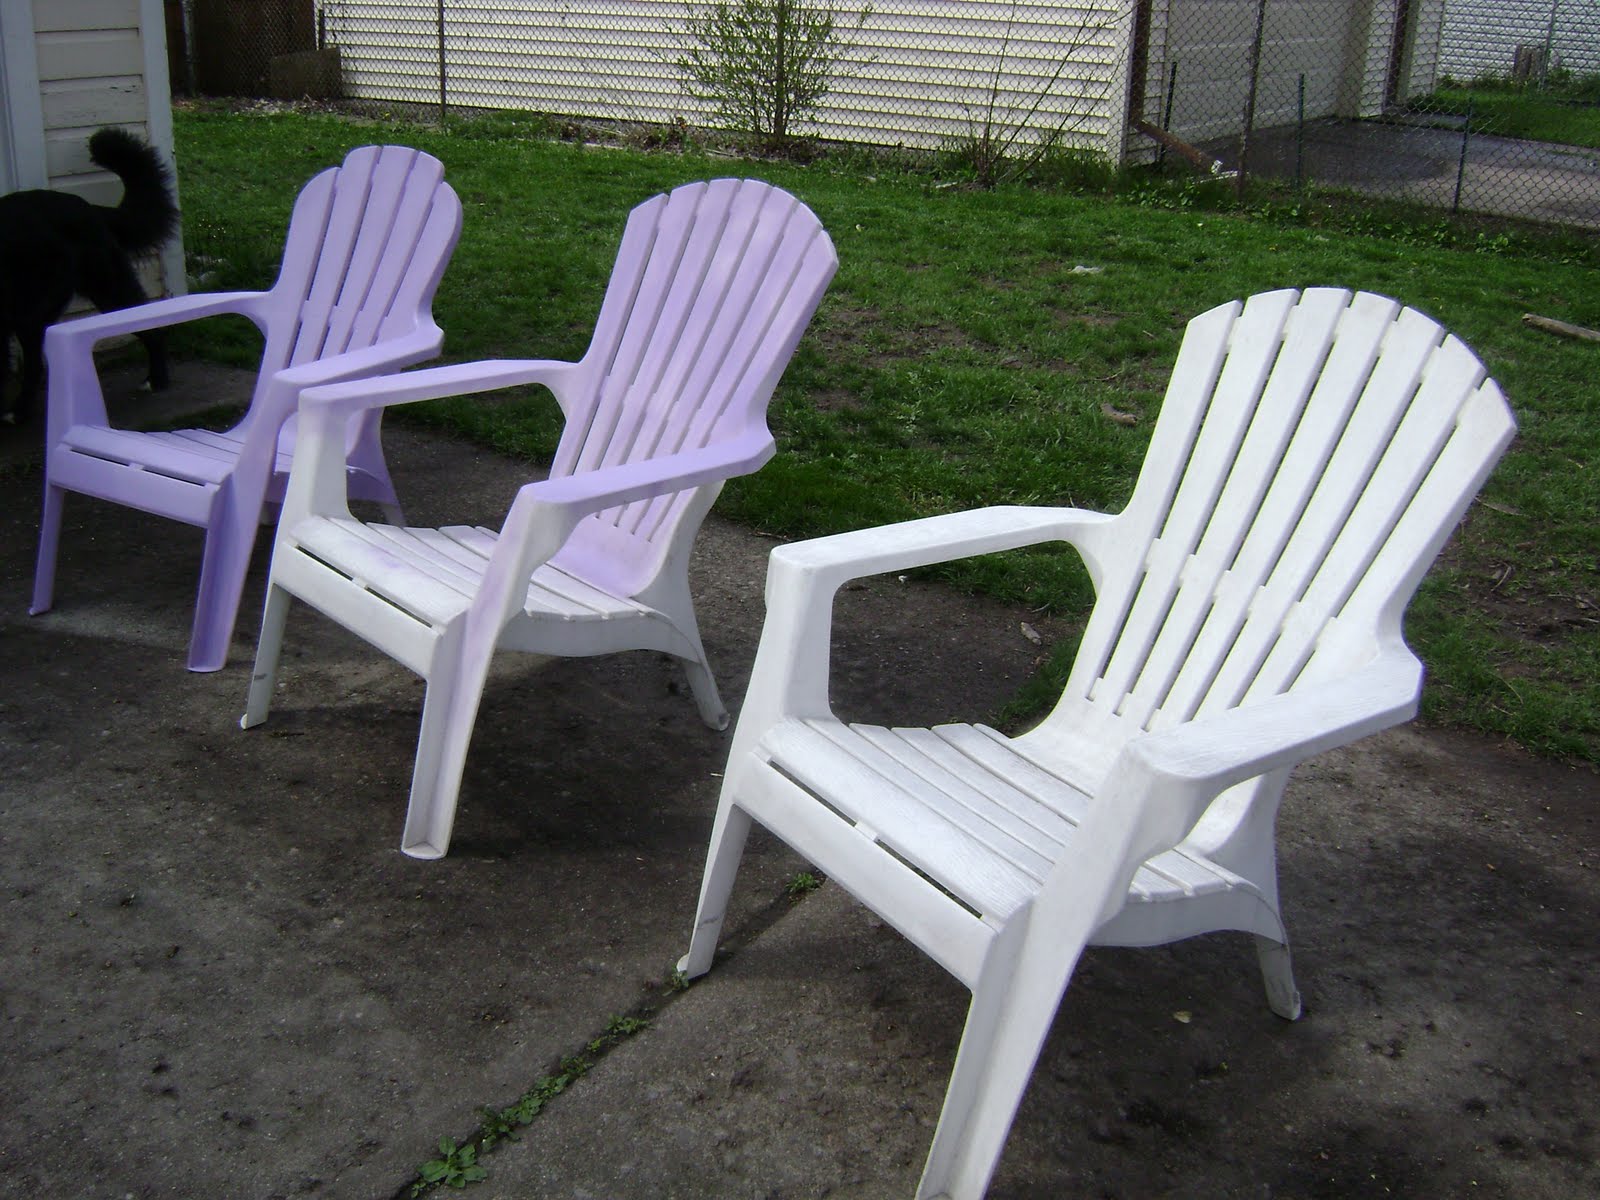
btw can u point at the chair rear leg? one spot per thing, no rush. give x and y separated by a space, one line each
1277 973
264 676
728 836
44 571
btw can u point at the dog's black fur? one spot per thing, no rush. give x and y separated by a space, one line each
54 245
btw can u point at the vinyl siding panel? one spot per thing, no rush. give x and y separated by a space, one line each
1480 37
96 63
910 75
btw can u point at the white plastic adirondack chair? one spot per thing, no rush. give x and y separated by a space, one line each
712 288
1312 455
368 242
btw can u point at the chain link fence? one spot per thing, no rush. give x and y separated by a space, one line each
1485 106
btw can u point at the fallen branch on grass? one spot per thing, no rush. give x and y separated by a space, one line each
1551 325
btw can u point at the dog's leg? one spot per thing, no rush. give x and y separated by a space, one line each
155 347
120 289
31 379
8 415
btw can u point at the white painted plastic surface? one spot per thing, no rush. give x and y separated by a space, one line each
1313 453
714 284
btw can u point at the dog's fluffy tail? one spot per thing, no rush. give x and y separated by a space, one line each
147 216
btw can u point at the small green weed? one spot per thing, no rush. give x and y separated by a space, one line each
801 884
458 1166
455 1167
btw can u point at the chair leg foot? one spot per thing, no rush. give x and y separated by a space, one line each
44 572
264 675
1277 973
728 836
706 697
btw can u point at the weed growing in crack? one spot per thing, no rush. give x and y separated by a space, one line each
801 884
457 1165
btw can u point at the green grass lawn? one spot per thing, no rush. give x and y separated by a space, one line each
1505 111
971 341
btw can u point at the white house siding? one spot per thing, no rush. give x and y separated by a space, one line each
915 73
1481 37
72 66
1341 49
1427 32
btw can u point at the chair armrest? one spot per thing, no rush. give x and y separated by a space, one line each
790 677
336 393
606 487
284 390
1161 784
1207 756
389 354
545 513
836 559
436 383
74 396
155 315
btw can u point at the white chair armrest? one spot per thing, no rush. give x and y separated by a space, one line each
1170 778
335 394
790 677
838 558
436 383
1206 756
545 513
1161 784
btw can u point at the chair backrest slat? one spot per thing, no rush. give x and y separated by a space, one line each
366 244
1308 446
714 284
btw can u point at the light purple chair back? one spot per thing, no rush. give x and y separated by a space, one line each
713 286
368 242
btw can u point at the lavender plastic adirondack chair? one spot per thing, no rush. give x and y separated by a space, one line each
1312 455
368 242
712 287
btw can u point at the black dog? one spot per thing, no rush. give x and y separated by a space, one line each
54 245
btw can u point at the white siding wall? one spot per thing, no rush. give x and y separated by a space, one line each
1423 67
72 66
91 72
1481 36
1342 48
914 74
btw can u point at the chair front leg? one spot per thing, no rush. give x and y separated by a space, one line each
1277 975
230 540
728 834
264 676
449 711
703 686
1005 1030
44 571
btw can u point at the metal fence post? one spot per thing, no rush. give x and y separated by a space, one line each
1166 110
1254 83
1461 164
442 94
1300 139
